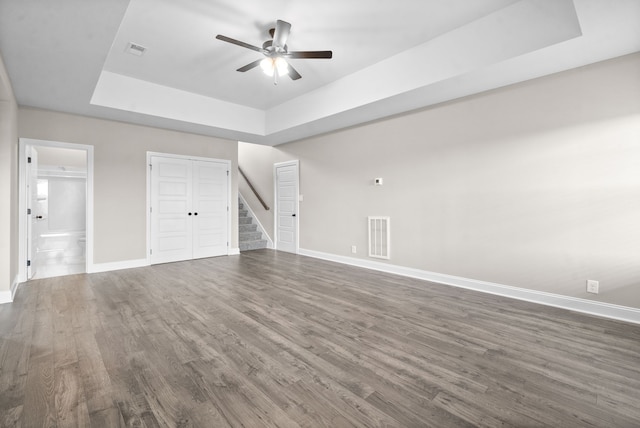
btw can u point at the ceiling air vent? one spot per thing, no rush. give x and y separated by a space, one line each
135 49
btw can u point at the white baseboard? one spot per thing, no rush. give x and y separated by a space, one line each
234 251
14 287
607 310
5 296
125 264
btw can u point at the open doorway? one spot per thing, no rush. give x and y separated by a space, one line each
55 195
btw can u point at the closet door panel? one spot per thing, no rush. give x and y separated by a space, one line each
171 199
210 201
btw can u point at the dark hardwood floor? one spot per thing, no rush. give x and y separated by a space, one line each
274 339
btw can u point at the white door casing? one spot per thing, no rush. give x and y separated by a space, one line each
32 205
286 212
24 240
189 215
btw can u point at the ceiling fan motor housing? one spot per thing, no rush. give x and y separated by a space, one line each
268 46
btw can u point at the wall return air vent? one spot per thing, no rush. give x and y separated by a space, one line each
379 233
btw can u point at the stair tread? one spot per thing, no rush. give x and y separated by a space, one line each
255 233
250 236
253 245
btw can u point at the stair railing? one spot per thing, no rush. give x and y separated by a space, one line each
253 189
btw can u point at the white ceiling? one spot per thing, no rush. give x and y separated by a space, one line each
388 57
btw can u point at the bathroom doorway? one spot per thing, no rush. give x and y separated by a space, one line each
55 190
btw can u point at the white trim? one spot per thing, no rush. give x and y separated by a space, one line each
148 208
253 215
22 203
124 264
5 297
14 287
234 251
89 232
188 157
275 202
607 310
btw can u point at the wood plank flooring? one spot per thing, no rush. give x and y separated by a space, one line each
269 339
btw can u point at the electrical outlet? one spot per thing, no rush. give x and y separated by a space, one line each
593 286
353 249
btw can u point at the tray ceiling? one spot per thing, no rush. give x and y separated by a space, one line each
389 57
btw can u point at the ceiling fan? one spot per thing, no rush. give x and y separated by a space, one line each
276 53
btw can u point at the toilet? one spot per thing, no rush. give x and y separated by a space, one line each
82 243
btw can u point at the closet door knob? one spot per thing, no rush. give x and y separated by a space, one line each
195 213
189 213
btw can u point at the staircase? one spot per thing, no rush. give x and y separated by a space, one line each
250 236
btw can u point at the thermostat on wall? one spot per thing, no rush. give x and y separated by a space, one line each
377 181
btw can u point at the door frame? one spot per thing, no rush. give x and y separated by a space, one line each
22 200
276 165
185 157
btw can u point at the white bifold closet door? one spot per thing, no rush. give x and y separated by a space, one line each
189 209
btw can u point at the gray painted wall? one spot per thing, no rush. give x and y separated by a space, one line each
56 156
8 183
536 185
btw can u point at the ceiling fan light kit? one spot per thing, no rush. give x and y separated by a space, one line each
276 53
270 65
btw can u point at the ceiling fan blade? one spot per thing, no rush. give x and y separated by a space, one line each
293 73
281 34
310 54
249 66
239 43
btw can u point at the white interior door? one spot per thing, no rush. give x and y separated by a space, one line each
286 207
171 215
189 209
210 208
32 205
